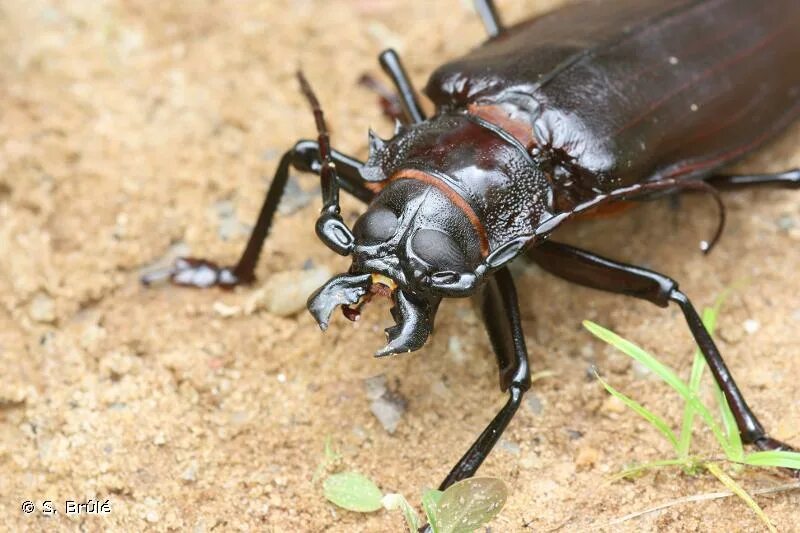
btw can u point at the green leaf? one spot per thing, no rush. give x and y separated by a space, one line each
397 501
777 458
353 491
467 505
430 500
741 493
662 371
655 420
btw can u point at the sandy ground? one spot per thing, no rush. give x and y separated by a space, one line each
127 127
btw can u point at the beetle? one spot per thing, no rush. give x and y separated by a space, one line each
590 105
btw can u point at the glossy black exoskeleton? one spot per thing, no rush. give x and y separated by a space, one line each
594 103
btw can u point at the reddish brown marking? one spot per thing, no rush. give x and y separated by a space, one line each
519 129
606 210
376 186
453 196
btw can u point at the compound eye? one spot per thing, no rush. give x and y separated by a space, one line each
375 226
439 250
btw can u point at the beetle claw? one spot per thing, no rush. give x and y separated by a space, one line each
414 324
339 290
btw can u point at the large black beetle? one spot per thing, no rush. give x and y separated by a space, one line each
594 103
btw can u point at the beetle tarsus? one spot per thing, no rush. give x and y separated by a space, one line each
197 273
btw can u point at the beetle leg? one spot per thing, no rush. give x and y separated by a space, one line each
390 103
391 64
491 20
497 302
789 179
305 157
590 270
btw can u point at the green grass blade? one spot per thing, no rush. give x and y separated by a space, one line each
687 423
653 419
741 493
782 459
662 371
634 470
331 456
728 420
731 428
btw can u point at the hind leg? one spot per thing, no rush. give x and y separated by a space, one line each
590 270
789 179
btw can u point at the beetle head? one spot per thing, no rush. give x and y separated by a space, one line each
414 246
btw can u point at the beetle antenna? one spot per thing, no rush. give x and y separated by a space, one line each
322 131
330 227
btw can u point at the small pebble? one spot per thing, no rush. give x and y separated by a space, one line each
534 403
612 404
751 326
375 386
225 310
455 349
387 406
190 474
229 226
159 439
785 222
42 309
509 446
286 293
574 434
586 457
389 410
640 370
295 198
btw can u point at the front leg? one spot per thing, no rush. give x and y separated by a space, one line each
305 157
497 301
590 270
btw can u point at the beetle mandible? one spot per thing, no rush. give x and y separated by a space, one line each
591 104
